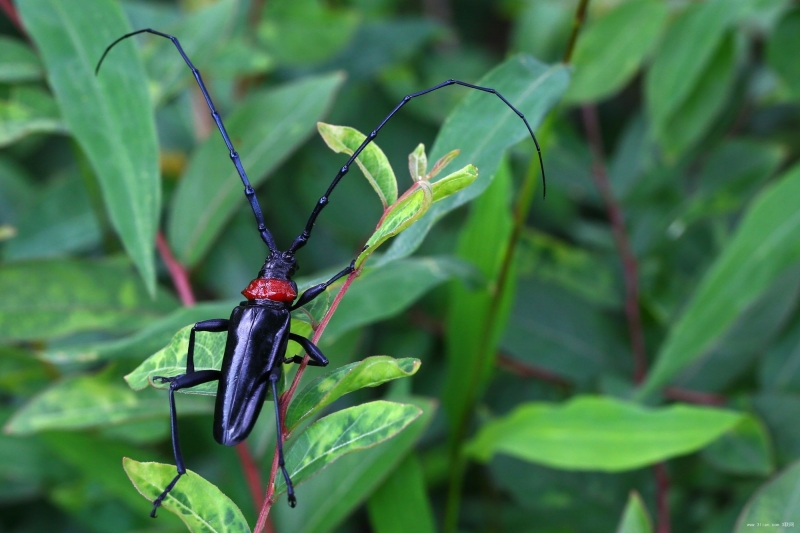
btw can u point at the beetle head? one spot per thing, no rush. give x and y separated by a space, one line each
279 265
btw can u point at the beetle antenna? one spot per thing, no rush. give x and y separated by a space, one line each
301 239
249 192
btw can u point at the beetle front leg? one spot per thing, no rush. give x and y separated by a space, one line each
176 383
316 290
316 357
215 325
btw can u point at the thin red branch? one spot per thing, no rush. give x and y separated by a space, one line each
629 266
286 398
662 498
250 473
178 273
11 12
696 397
527 370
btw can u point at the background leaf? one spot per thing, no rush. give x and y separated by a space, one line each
764 246
50 299
108 114
597 433
606 58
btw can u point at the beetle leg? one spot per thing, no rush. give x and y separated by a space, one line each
215 325
316 357
273 378
184 381
316 290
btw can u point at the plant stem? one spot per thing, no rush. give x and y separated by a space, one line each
629 266
11 12
178 273
286 398
631 279
180 280
458 463
577 24
662 497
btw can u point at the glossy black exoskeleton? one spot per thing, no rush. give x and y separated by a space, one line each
258 329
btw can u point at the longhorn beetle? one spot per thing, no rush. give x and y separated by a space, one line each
258 329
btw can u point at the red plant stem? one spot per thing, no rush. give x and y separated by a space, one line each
178 273
629 267
286 398
250 473
662 497
696 397
527 370
11 12
180 280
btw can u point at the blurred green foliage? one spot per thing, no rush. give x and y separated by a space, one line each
508 327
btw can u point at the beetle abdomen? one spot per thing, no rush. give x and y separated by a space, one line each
257 339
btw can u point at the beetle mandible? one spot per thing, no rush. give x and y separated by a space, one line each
258 329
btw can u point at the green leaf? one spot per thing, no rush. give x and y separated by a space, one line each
401 503
201 505
343 432
635 519
774 506
606 58
59 221
765 245
782 41
384 292
696 114
443 161
50 299
97 462
398 217
417 163
452 183
372 161
684 55
109 114
144 342
329 387
90 401
267 127
18 62
28 110
305 32
473 323
201 33
353 478
600 433
483 128
744 450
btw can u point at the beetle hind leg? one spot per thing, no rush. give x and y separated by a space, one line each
184 381
273 378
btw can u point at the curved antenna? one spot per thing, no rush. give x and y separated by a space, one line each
266 236
301 239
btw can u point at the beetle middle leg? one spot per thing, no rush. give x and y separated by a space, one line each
315 355
190 379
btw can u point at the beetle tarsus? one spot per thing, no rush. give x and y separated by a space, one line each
157 501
